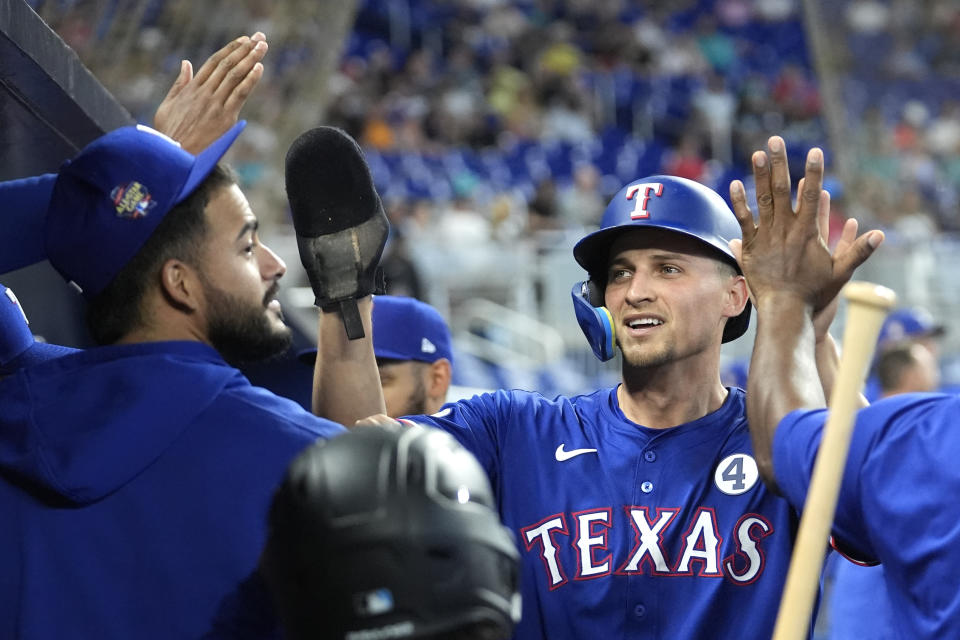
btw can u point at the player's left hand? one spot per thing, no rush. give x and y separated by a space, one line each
783 253
199 109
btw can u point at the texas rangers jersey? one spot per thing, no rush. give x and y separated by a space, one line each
629 532
898 500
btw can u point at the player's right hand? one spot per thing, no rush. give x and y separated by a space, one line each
782 254
199 109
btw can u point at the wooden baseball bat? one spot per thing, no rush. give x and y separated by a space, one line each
868 305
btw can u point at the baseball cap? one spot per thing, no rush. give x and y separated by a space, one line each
18 347
404 329
907 323
109 199
407 329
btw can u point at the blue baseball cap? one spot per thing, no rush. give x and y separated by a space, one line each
25 201
404 329
903 324
109 199
407 329
18 347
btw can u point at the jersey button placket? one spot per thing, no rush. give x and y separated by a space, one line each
639 611
649 456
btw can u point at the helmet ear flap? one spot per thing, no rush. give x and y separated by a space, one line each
594 293
594 319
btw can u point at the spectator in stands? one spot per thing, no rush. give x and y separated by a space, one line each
564 119
686 160
399 270
542 213
581 203
715 108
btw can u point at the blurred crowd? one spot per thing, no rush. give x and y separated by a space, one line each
901 79
533 113
527 114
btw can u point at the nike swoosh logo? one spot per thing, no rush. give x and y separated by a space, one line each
573 453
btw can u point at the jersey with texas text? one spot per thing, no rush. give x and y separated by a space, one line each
628 532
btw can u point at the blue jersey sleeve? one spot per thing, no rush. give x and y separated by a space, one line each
795 448
889 455
477 423
897 501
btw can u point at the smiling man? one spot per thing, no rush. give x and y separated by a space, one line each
639 508
135 476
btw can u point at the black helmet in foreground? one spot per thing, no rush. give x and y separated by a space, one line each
390 532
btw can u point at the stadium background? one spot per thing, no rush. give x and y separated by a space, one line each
497 130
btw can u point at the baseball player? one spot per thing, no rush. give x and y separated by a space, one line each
389 533
907 367
411 342
897 502
136 475
905 327
18 347
638 509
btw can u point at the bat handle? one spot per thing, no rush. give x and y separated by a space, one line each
868 305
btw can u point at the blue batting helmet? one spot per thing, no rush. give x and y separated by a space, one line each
662 202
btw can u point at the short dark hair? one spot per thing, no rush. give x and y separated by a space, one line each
892 363
725 268
118 309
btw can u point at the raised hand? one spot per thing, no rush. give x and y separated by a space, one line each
823 318
199 109
783 252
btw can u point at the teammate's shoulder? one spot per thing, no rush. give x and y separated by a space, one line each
537 399
907 411
250 403
511 404
502 396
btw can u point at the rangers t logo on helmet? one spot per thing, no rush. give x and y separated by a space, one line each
645 189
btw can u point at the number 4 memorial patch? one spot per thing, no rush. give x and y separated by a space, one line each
736 474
